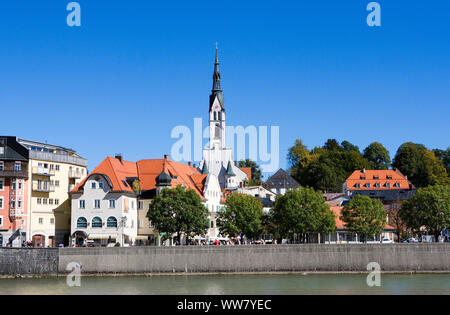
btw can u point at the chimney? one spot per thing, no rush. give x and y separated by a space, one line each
119 157
166 157
364 170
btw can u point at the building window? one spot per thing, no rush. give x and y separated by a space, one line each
2 184
2 165
100 185
50 201
82 204
368 185
97 222
44 201
140 205
2 150
112 222
41 220
57 183
20 185
39 201
17 166
377 185
1 202
19 203
57 167
93 185
397 185
112 204
96 204
13 204
56 201
81 223
52 221
388 185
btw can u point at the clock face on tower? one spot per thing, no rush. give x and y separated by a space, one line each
216 107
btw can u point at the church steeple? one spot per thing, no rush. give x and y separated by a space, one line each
216 75
216 92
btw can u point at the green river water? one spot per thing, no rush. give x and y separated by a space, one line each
270 284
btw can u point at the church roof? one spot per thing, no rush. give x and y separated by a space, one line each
230 169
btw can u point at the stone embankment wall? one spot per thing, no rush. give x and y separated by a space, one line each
225 259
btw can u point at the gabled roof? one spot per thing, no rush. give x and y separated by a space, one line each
281 179
117 171
248 171
370 179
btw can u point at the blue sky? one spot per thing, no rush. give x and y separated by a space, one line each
136 69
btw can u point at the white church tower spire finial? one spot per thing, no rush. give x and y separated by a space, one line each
216 110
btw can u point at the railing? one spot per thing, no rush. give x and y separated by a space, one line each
43 171
15 174
74 174
43 187
53 157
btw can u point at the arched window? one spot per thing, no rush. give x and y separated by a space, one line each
81 223
112 222
97 222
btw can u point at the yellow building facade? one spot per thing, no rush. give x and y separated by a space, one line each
54 173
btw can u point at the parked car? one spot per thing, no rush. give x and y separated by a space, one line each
387 241
413 240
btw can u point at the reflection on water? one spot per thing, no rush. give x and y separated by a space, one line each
234 284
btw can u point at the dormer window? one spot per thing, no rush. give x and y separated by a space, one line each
389 177
367 185
377 185
362 177
358 185
376 177
388 185
397 185
94 185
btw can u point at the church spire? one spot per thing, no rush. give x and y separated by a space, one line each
216 74
216 91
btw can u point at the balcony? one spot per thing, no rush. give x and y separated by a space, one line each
14 174
42 171
74 174
43 187
16 214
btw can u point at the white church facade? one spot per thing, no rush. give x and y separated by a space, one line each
217 157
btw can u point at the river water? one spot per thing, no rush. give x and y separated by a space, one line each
269 284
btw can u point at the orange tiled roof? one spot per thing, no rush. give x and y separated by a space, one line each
340 225
377 180
248 171
147 171
116 171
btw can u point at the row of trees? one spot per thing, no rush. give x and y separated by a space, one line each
298 213
326 168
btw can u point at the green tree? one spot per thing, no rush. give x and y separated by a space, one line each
256 171
364 216
347 146
378 156
422 166
301 211
178 211
444 156
299 157
242 214
429 208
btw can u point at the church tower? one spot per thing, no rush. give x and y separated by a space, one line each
216 111
217 157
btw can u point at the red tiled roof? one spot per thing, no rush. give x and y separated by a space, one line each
248 171
147 171
374 177
116 171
